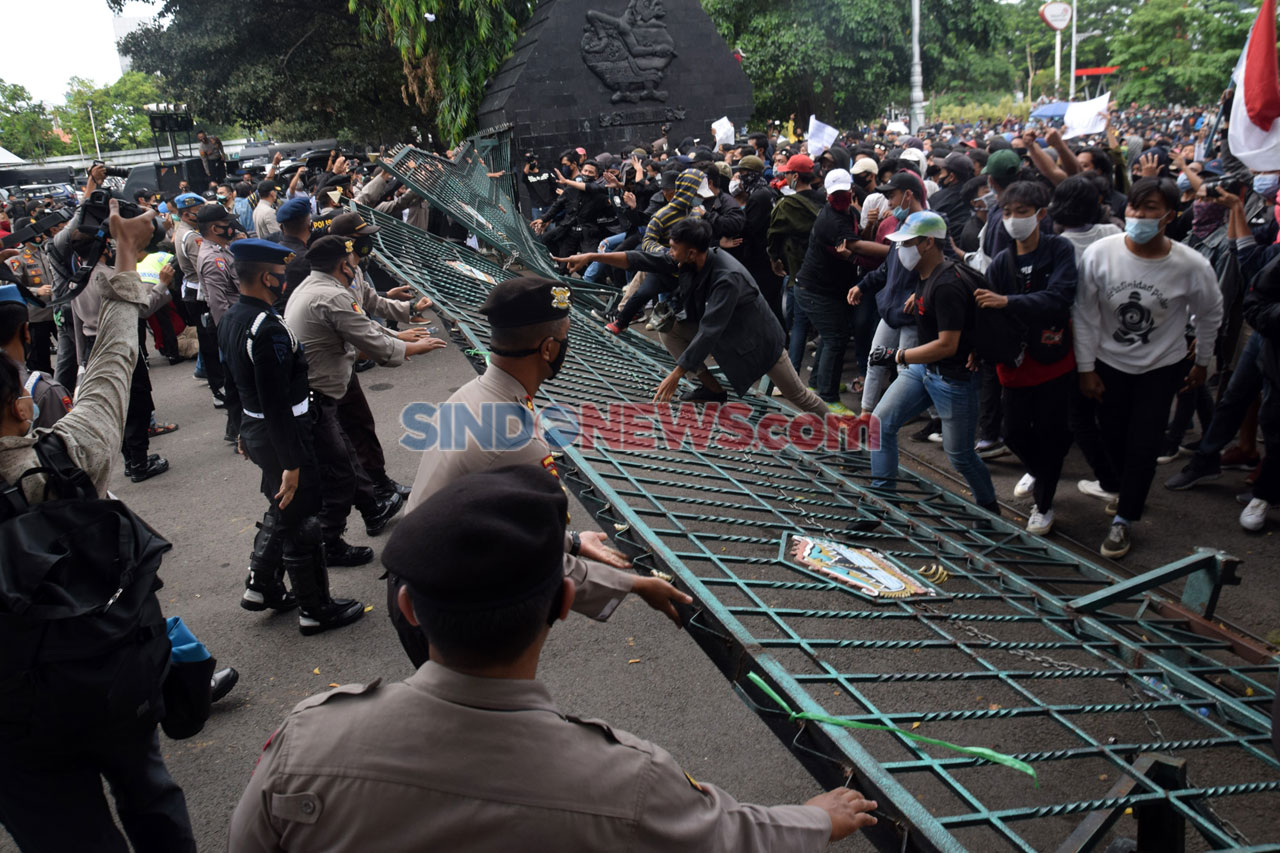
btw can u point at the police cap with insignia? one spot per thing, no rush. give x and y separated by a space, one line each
212 213
526 301
254 251
186 201
293 209
455 549
352 224
325 251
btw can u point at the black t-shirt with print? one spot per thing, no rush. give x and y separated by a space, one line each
944 303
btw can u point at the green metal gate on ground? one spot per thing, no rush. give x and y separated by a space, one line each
1141 714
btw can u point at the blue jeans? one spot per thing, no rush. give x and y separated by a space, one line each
957 403
832 316
608 244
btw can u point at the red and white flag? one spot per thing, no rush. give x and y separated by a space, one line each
1255 113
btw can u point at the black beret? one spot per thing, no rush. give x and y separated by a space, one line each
326 250
526 301
212 213
486 540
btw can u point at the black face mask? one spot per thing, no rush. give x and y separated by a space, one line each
278 290
364 246
556 363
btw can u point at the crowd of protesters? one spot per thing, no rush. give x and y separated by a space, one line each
1128 275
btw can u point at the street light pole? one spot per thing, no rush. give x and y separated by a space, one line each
917 72
93 124
1071 91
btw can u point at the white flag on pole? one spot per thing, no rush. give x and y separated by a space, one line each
1086 117
820 137
723 129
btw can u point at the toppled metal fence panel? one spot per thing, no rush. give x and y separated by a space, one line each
1139 714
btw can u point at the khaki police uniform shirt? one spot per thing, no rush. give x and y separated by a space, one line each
445 761
186 251
218 280
601 588
399 310
325 315
29 267
264 220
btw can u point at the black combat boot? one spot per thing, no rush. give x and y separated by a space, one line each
264 587
319 612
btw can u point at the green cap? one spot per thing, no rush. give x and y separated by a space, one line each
1003 165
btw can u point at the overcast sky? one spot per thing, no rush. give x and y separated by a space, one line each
47 42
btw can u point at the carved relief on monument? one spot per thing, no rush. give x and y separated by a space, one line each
629 53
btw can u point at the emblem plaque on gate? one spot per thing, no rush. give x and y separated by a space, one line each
864 571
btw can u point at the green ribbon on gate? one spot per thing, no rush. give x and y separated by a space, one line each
976 751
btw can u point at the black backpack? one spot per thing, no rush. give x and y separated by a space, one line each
83 643
999 336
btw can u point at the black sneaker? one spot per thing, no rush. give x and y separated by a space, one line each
342 553
931 426
146 470
387 508
1117 543
1197 471
389 487
702 394
335 614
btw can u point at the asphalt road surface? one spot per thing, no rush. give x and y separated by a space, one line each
637 671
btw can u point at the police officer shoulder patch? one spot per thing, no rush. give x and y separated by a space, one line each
693 782
220 264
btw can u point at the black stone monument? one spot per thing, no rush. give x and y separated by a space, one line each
607 74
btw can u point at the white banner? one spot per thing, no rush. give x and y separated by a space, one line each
723 129
1084 118
820 137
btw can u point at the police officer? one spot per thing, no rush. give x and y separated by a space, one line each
264 215
471 752
215 268
323 313
186 252
267 375
294 219
49 398
29 267
398 306
529 323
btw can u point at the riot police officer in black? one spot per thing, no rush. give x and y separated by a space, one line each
267 372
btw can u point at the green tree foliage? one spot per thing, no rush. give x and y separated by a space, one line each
302 68
119 110
1179 50
26 128
447 57
847 59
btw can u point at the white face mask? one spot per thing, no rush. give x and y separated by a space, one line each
908 256
1020 227
734 186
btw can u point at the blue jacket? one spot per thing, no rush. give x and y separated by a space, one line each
891 284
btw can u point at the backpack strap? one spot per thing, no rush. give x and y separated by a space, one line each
62 473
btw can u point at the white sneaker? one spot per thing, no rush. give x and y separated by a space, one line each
1024 487
1040 523
1254 516
1094 489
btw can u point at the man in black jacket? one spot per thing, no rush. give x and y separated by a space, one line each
757 199
727 318
584 204
1262 310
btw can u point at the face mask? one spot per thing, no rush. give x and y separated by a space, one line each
364 246
734 186
1142 231
909 256
222 199
990 200
1266 185
840 201
274 283
1020 227
556 363
1184 183
901 213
